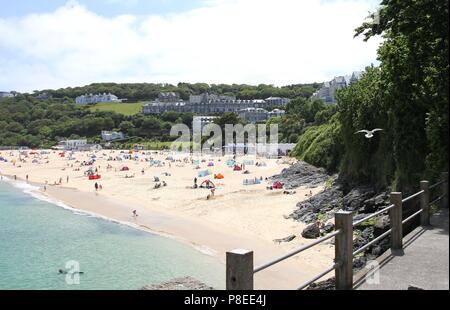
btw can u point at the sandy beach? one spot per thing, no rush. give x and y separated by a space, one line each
236 216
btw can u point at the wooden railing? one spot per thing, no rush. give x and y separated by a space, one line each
240 268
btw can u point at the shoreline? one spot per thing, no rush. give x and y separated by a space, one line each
204 236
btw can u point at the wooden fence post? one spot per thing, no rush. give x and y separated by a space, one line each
444 186
425 203
239 270
343 249
395 215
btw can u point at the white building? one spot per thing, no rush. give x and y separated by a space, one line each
199 122
260 149
72 144
258 115
277 101
253 115
328 91
92 99
112 135
4 94
276 113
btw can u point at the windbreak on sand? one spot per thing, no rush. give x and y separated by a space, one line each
204 173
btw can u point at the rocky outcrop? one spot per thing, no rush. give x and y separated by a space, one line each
327 285
301 174
323 203
286 239
185 283
311 231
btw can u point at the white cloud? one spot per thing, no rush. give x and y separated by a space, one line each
227 41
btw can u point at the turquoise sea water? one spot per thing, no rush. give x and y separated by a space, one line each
37 238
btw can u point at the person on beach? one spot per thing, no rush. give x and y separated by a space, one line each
27 178
135 215
96 186
67 179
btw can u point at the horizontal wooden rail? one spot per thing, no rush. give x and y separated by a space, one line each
409 218
382 236
372 215
297 251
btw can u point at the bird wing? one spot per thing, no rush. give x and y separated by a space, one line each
377 129
362 131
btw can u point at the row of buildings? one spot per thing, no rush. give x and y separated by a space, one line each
206 103
96 98
327 92
250 115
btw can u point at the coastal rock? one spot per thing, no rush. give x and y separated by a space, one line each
381 225
286 239
381 247
311 231
329 227
327 285
355 198
309 210
185 283
364 237
373 204
301 174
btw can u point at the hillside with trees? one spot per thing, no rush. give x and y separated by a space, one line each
407 96
149 91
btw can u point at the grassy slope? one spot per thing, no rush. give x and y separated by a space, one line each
121 108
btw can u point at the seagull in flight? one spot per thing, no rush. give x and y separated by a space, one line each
369 133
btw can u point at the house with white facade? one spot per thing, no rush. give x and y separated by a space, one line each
199 122
92 99
4 94
277 101
328 91
112 135
71 144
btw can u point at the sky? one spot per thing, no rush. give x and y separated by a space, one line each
49 44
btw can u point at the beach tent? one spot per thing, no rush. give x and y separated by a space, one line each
210 164
204 173
252 181
277 185
124 168
169 158
207 184
230 162
237 168
35 161
248 162
219 176
196 162
94 177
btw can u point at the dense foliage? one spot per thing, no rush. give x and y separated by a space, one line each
321 145
26 121
150 91
407 96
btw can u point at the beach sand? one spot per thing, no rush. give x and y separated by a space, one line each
238 216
